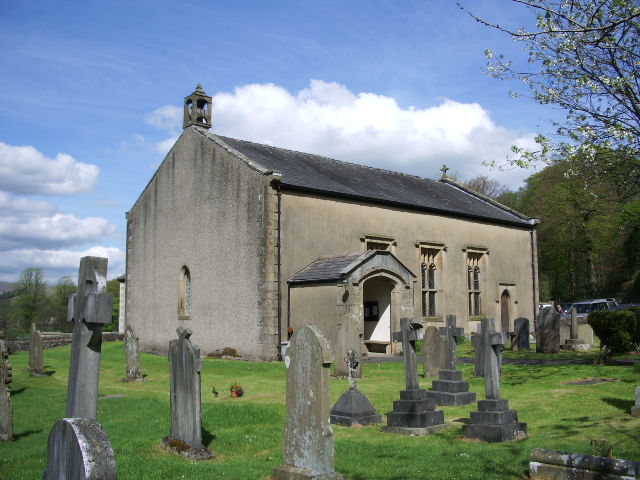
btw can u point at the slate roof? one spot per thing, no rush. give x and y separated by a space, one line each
326 269
314 173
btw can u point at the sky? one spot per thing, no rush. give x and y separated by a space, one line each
91 99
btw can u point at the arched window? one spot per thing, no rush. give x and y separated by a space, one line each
430 279
474 285
184 293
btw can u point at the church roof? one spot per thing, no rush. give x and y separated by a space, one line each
328 268
315 173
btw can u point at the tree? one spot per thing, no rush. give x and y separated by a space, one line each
113 287
32 301
486 186
61 292
584 56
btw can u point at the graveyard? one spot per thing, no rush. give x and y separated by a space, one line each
566 406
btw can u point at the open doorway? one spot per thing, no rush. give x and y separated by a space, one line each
377 314
505 300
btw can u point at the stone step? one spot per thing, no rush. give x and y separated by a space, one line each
451 386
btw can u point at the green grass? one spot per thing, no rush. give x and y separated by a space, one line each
246 433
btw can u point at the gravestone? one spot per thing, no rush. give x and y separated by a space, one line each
521 327
36 360
573 342
80 450
6 408
89 309
450 389
353 407
548 331
186 427
132 354
414 413
635 410
493 422
434 352
308 437
478 345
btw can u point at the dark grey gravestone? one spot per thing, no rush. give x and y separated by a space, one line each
353 407
450 389
89 309
6 408
434 352
548 331
414 413
79 450
132 354
521 326
36 360
308 437
635 410
493 422
185 390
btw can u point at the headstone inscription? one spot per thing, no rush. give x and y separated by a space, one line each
36 360
450 389
493 422
132 354
635 409
353 407
89 309
574 342
521 326
548 331
308 437
434 352
414 413
6 408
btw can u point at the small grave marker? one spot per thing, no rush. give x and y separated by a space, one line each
6 408
434 352
36 360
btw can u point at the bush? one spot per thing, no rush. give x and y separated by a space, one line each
617 330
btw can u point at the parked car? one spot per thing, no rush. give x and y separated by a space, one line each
585 307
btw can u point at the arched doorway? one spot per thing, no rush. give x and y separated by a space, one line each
377 312
505 300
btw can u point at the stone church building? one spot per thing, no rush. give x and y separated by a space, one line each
242 242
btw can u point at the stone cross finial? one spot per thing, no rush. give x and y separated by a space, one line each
352 359
408 334
452 333
493 344
89 309
444 170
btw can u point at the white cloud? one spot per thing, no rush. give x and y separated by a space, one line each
26 170
14 208
57 263
328 119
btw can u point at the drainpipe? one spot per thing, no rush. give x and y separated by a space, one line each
278 266
534 265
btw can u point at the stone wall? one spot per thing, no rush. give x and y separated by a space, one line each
55 340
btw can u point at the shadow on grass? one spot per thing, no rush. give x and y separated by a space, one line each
624 405
17 391
207 437
18 436
48 373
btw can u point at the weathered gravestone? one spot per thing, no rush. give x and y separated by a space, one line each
414 413
186 427
521 327
78 447
493 422
548 331
132 354
574 342
79 450
353 407
6 409
635 410
308 437
450 389
477 341
557 465
36 360
89 309
434 352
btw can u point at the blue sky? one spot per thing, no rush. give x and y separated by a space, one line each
91 95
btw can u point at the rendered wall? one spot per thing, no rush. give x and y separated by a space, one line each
207 210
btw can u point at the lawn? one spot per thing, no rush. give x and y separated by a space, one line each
246 433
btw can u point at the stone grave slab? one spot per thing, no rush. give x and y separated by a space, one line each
521 327
548 331
434 352
36 355
132 354
79 449
308 437
6 407
414 413
635 409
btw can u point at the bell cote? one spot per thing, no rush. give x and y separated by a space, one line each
197 109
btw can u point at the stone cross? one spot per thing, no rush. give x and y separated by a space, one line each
36 360
408 334
444 171
89 309
452 333
493 344
185 390
308 437
352 359
6 409
574 324
132 354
